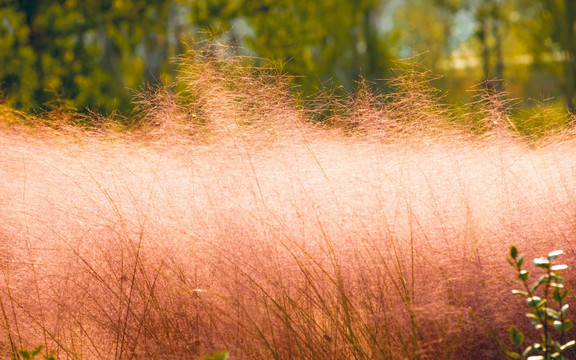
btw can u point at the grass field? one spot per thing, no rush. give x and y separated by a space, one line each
231 225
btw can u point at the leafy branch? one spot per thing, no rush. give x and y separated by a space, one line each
546 301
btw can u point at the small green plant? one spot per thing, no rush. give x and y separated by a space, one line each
547 311
31 354
216 356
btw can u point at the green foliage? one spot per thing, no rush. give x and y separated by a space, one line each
89 54
32 354
216 356
83 53
541 120
322 41
547 312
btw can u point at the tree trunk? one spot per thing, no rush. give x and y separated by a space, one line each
37 42
371 40
483 34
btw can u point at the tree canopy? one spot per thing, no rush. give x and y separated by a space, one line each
95 53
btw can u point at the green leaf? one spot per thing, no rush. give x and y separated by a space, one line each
534 302
557 356
37 351
520 261
557 296
564 309
554 254
513 355
543 279
523 275
25 354
516 336
526 351
565 294
563 326
534 319
520 292
562 295
536 357
552 313
557 282
568 345
540 312
513 252
559 267
542 263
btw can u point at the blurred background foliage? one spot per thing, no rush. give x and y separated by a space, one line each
94 54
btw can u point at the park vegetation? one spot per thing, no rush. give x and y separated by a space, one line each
229 215
89 54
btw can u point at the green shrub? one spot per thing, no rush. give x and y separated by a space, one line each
546 301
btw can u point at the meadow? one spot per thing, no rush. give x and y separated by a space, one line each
229 217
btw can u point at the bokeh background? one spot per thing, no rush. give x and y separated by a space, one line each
96 54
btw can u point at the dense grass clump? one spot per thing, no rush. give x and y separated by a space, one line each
234 215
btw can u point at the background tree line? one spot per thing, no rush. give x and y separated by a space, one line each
91 53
